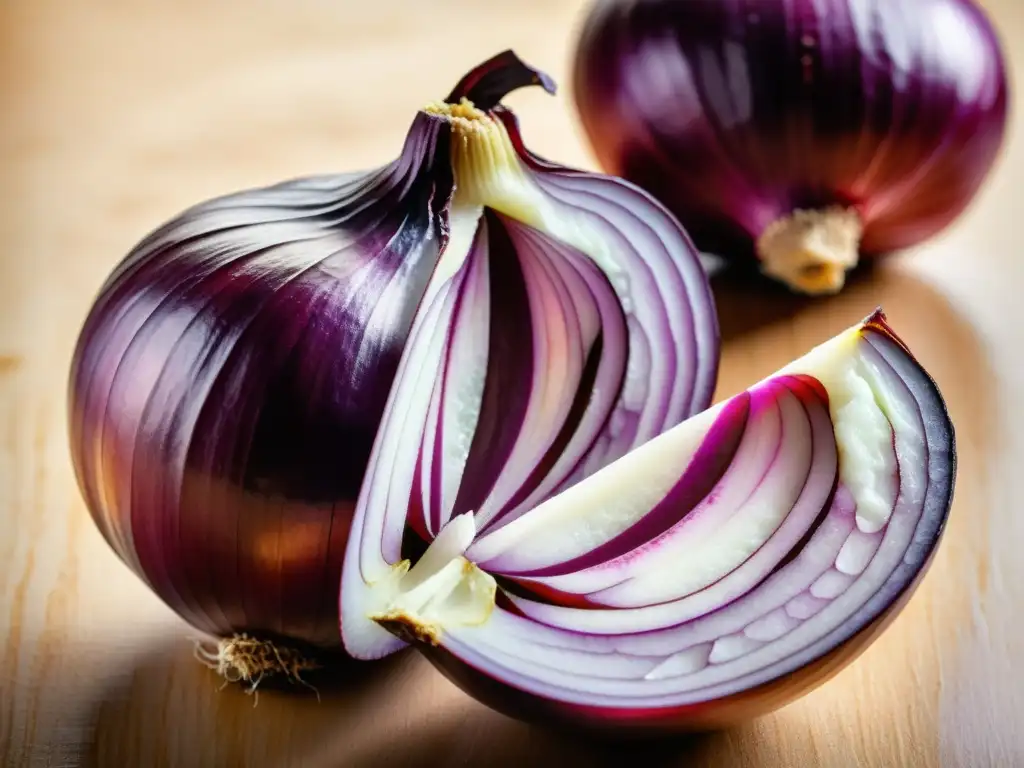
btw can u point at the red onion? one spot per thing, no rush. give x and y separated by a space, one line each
784 133
711 574
230 380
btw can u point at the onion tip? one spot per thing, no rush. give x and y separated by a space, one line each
486 85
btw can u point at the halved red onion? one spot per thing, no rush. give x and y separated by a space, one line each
518 324
710 574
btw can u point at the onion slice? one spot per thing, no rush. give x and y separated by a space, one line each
712 573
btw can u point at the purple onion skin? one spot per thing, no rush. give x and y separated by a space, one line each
734 114
224 400
847 642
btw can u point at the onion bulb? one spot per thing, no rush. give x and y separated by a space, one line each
709 575
527 323
797 136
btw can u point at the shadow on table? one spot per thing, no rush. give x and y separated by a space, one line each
480 738
748 302
759 318
169 710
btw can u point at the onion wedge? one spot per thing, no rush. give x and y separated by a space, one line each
715 572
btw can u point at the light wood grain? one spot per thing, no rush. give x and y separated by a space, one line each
115 114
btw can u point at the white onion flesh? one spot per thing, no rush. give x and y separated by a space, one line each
833 493
526 255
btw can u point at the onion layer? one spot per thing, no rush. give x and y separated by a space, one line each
786 133
711 574
531 322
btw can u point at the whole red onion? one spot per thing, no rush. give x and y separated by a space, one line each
791 131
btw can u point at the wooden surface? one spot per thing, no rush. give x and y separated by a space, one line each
115 114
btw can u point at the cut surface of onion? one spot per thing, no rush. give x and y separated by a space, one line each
546 346
713 572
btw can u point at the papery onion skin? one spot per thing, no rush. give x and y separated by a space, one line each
467 656
736 115
230 379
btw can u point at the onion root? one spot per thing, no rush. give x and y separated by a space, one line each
247 659
812 250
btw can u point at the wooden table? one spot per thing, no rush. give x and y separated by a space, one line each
114 114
